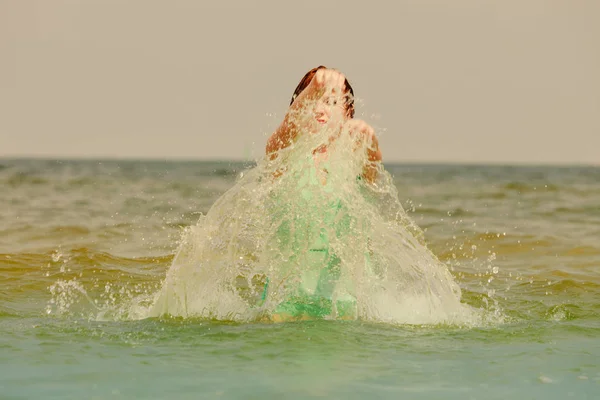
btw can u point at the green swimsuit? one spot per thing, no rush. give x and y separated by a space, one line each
317 219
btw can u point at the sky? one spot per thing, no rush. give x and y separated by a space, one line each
461 81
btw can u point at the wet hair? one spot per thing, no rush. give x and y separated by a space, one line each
349 93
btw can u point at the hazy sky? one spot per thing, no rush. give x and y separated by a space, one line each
444 81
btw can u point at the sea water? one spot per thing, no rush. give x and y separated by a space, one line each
89 249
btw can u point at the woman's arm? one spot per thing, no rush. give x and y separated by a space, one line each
371 168
283 136
365 135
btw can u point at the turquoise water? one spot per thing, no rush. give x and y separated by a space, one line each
190 359
78 238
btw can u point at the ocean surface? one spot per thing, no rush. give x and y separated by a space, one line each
80 239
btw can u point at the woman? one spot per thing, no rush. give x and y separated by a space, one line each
314 220
301 247
325 99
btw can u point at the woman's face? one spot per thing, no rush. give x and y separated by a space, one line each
330 110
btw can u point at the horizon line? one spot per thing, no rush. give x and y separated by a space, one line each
249 161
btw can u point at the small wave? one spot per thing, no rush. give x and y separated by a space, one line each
93 284
67 230
455 212
494 195
547 285
23 178
573 286
469 244
592 210
82 182
527 187
563 312
582 251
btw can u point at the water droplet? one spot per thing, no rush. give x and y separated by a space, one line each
56 256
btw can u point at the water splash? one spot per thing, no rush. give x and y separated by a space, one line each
304 236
